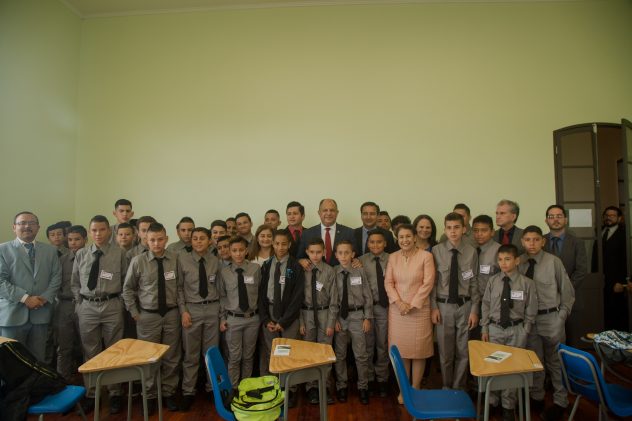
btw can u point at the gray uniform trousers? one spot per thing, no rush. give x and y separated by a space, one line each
351 329
316 335
67 333
452 337
377 344
196 340
546 336
100 321
241 338
290 333
512 336
152 327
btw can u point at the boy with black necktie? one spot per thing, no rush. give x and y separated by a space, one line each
184 228
123 213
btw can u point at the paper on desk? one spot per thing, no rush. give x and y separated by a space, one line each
282 350
497 356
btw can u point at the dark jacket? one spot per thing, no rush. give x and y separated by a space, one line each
357 244
293 293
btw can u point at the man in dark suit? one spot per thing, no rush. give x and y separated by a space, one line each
572 252
295 213
369 212
507 213
330 231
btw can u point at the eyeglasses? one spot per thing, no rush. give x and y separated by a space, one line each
27 223
555 217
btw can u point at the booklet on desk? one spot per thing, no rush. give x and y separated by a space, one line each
282 350
497 356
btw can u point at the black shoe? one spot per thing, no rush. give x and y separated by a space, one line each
341 394
553 413
171 404
382 389
292 399
87 404
364 396
187 401
116 404
152 405
312 396
508 415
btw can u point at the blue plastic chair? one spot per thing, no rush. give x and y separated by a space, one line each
60 403
582 377
220 381
430 404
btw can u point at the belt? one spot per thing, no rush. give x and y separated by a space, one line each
353 308
377 303
509 324
157 311
317 308
460 301
100 299
66 298
205 302
244 315
548 310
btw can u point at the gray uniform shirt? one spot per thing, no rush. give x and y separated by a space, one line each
135 251
487 264
326 289
189 275
141 283
67 261
112 269
177 247
523 297
270 292
368 265
228 287
358 289
552 284
468 268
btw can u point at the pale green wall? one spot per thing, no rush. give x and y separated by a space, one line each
39 67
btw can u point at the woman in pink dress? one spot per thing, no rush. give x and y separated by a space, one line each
410 276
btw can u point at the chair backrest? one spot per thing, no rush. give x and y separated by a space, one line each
400 373
581 373
220 380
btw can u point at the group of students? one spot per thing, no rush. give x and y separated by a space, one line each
219 283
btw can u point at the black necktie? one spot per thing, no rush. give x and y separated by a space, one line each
315 296
344 304
59 253
188 248
203 279
505 304
555 246
381 291
454 277
94 270
243 292
605 234
276 307
478 254
162 288
530 269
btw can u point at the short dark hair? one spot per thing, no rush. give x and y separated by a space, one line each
238 240
78 229
274 211
218 223
283 232
99 219
54 227
124 225
295 204
65 224
316 241
145 220
509 249
462 206
532 228
408 227
400 219
453 216
376 232
341 243
223 238
230 218
133 222
384 213
241 215
156 227
375 205
122 202
185 220
513 207
203 230
556 206
484 219
15 218
613 208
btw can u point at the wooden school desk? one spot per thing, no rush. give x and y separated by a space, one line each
125 361
307 361
513 373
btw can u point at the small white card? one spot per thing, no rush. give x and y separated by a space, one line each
517 295
467 274
485 269
282 280
170 276
105 275
497 357
211 278
249 280
319 286
356 280
282 350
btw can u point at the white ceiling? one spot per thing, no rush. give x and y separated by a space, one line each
101 8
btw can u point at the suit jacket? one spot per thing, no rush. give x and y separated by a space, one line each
357 243
342 233
293 293
294 248
516 239
573 256
614 256
18 278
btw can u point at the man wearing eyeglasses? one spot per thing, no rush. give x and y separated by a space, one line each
30 275
572 251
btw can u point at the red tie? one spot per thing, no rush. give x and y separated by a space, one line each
506 237
327 245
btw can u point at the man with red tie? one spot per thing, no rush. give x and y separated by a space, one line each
295 213
507 213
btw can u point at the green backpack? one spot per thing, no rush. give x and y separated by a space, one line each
259 399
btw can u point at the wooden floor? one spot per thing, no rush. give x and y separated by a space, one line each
378 408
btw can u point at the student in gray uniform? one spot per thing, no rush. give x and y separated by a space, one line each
151 296
218 229
374 265
239 315
125 236
555 301
184 228
198 299
57 238
97 280
223 250
142 225
463 210
454 300
509 307
65 316
56 235
320 306
123 213
354 321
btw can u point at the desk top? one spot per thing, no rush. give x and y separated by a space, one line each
3 340
303 354
125 353
520 361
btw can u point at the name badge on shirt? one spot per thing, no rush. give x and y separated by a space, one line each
282 280
467 274
485 269
356 280
319 286
170 276
249 280
105 275
517 295
211 278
